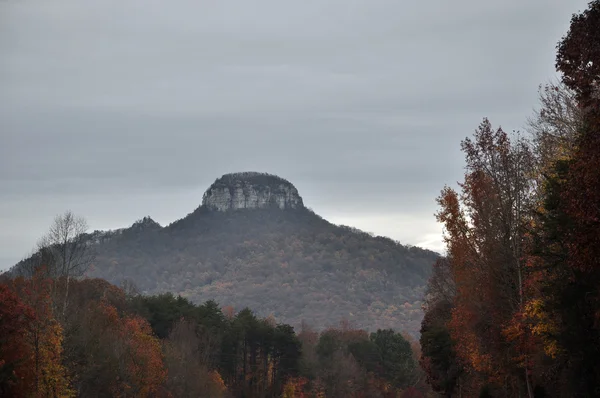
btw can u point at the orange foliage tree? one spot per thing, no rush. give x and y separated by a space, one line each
141 371
565 313
16 376
485 235
43 337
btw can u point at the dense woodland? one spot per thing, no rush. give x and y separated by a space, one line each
89 338
512 310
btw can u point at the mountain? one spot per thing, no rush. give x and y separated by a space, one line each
252 243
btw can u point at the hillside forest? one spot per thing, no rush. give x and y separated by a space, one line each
511 310
291 264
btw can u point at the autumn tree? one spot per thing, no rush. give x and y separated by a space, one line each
117 355
143 373
578 59
566 309
187 373
295 388
485 235
523 239
44 337
16 376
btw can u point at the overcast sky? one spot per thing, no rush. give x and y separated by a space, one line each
118 109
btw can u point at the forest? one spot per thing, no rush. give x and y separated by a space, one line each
65 337
511 310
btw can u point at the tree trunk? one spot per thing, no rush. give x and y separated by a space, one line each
64 312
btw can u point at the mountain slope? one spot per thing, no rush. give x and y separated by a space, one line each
253 243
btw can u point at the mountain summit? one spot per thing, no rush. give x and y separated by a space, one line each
251 190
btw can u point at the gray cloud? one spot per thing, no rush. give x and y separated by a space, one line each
119 109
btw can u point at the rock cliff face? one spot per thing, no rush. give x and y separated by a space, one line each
251 190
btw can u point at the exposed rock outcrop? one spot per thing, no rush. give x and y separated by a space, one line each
251 190
146 223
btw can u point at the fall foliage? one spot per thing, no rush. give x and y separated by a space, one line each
117 344
511 310
16 317
291 263
514 309
33 352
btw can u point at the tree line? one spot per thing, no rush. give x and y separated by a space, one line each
514 307
66 335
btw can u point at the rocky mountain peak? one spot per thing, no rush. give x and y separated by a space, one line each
145 223
251 190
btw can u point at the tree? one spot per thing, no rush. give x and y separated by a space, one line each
188 375
116 355
485 235
16 376
65 250
44 337
353 363
566 309
309 360
578 58
163 311
441 286
257 356
397 364
286 353
340 373
555 125
438 358
294 388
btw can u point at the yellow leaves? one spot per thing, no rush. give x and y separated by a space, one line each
53 375
552 349
534 308
289 390
543 326
294 387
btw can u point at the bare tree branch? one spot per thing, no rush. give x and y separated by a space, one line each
65 251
